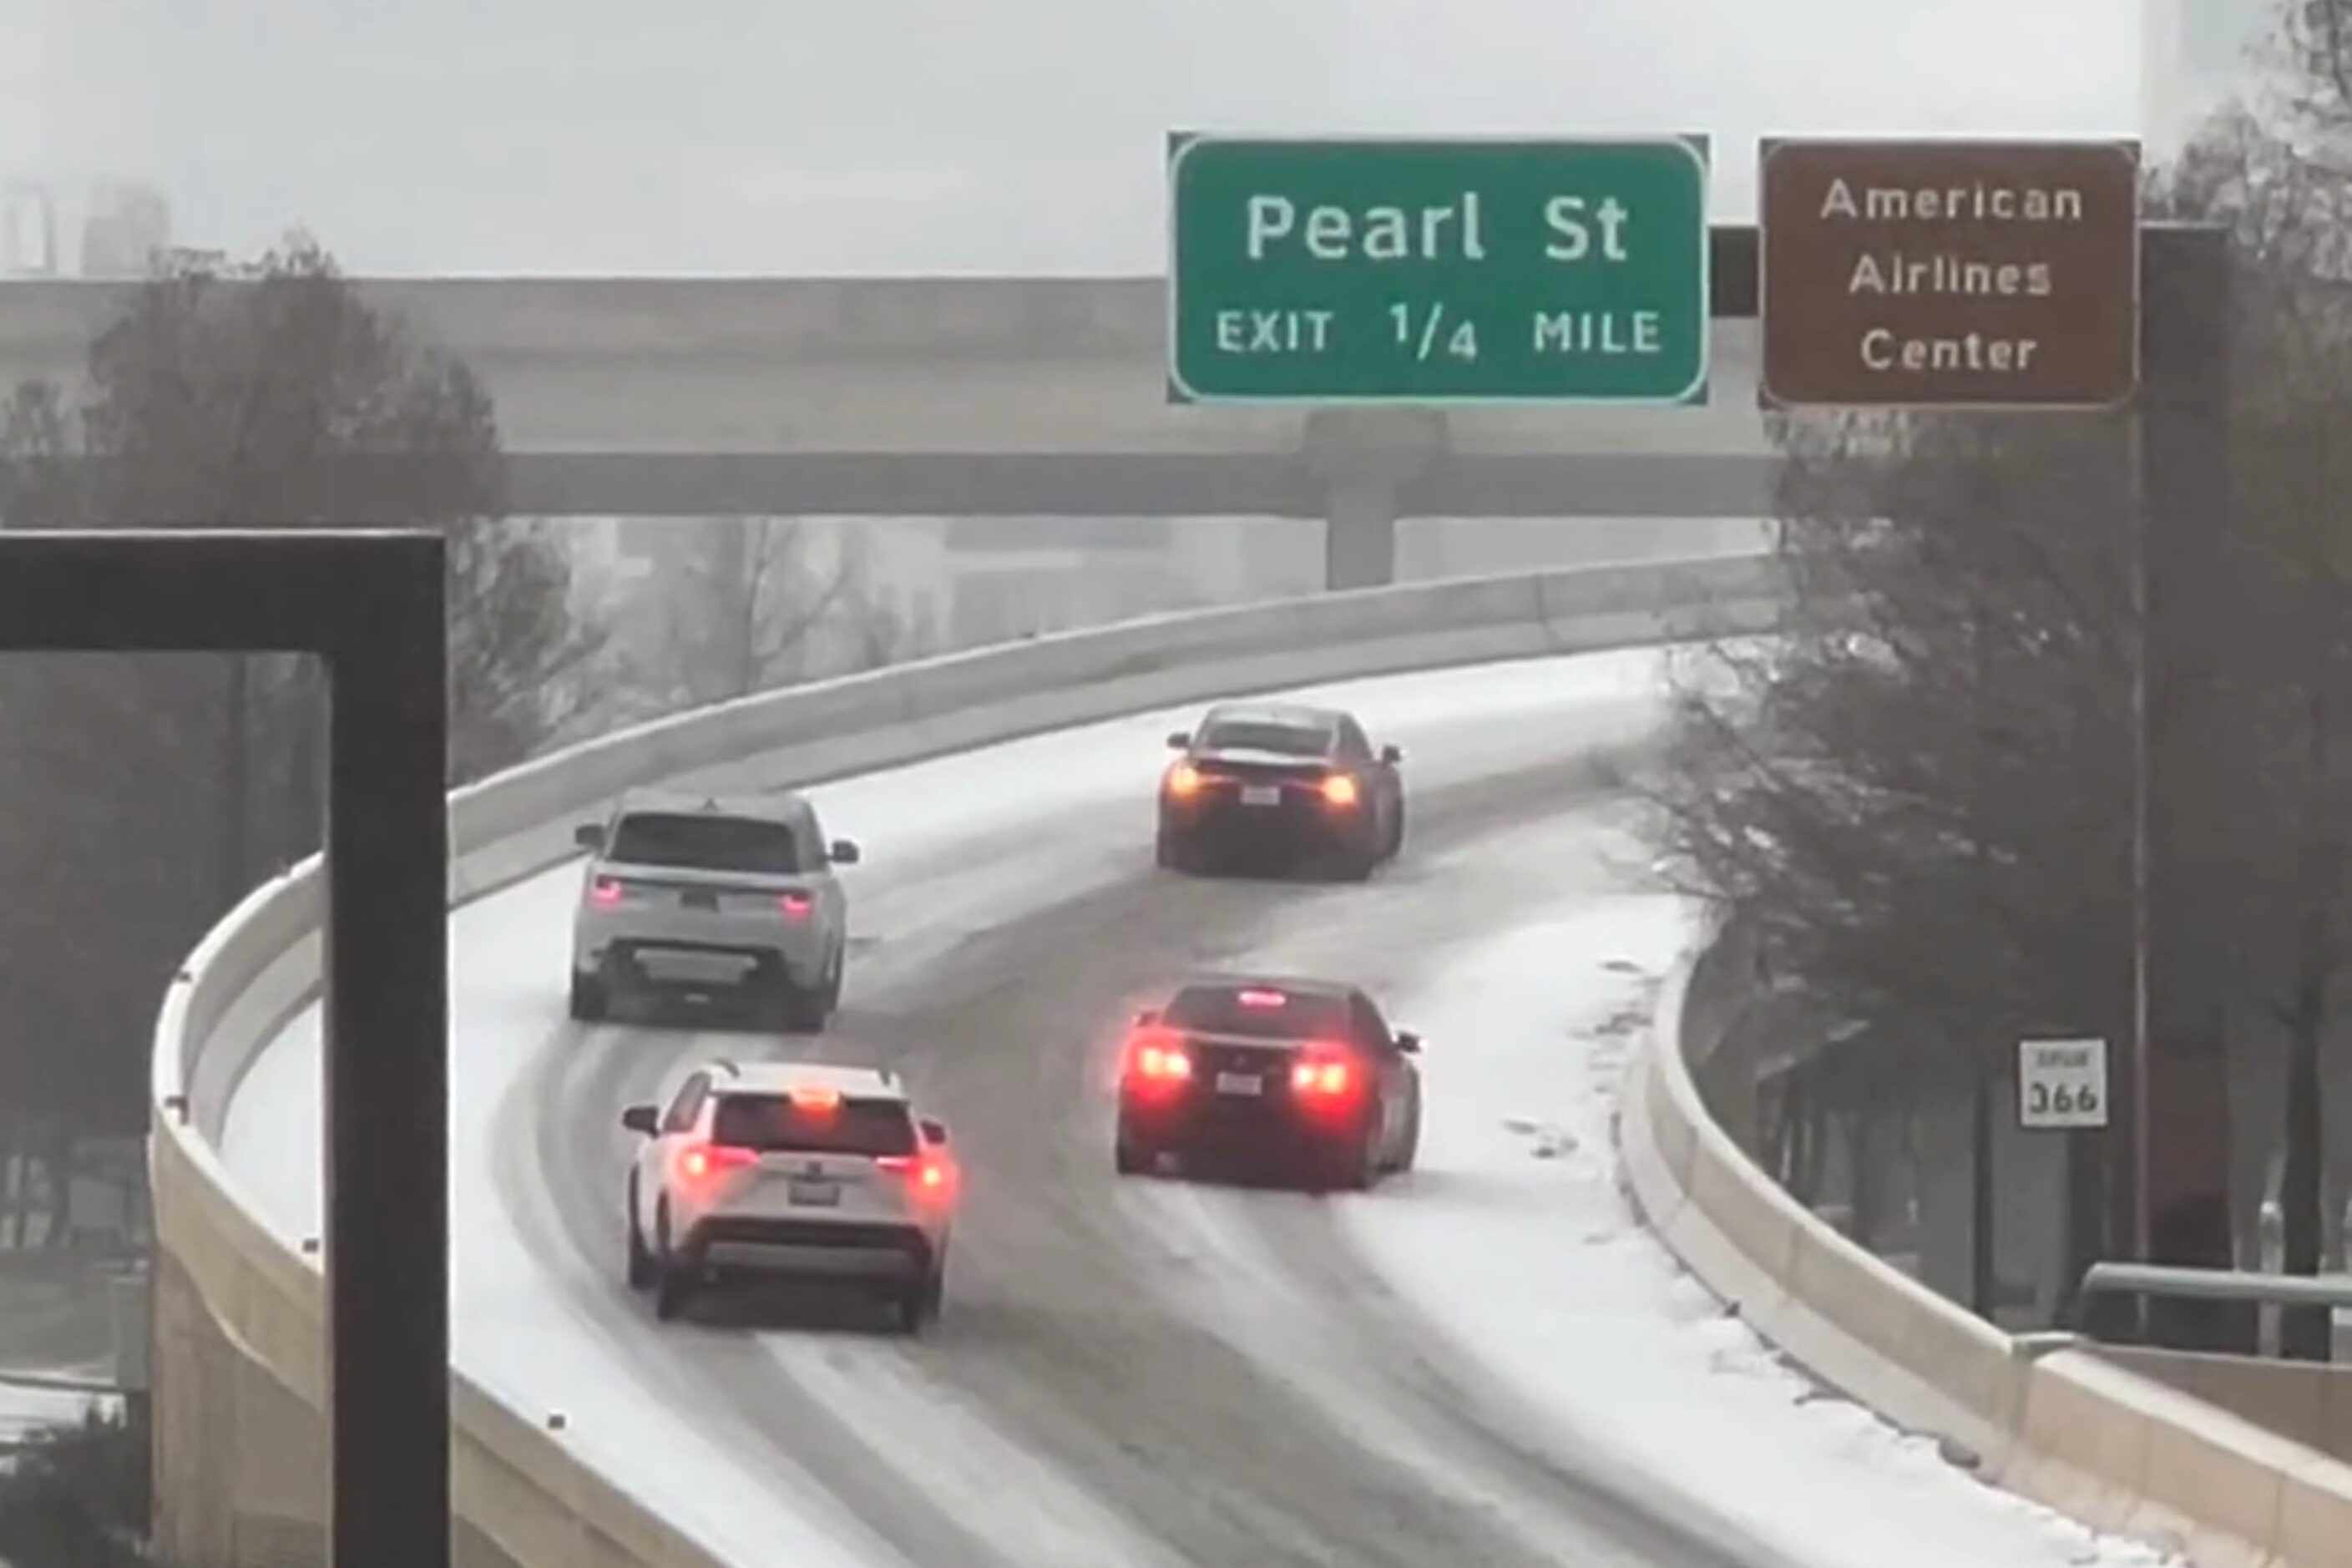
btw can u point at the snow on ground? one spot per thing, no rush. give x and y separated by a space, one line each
1514 1234
1077 807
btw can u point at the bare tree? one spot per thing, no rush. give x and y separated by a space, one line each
1919 797
741 604
146 795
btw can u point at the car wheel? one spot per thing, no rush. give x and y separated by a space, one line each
1396 830
1353 1167
1132 1160
641 1261
591 1002
1173 854
1412 1149
835 973
801 1012
915 1307
672 1287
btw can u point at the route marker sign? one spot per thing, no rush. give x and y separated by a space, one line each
1357 271
2062 1083
1949 274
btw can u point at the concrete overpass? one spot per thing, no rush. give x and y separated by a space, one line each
657 397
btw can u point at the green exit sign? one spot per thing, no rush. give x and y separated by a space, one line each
1360 270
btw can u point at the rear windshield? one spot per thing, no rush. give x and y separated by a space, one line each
1264 735
776 1124
1265 1011
700 843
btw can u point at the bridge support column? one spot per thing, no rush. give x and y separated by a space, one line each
1366 459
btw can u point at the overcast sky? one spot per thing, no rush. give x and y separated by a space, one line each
927 136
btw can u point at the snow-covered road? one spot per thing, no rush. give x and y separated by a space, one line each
1485 1361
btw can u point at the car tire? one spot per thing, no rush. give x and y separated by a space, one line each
1173 854
1133 1160
1352 1168
1396 831
830 997
1357 862
802 1011
672 1287
641 1259
1412 1150
592 1001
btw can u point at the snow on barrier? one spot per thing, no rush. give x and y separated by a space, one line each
239 1348
2066 1426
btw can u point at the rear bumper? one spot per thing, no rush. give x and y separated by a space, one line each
661 961
1203 1122
1302 822
853 1250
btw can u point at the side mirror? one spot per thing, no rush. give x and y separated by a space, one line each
588 836
1146 1017
641 1119
844 852
934 1132
1408 1042
1179 739
1391 755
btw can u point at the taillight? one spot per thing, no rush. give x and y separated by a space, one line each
1183 781
700 1160
1323 1075
605 892
1157 1056
816 1099
1339 789
797 906
926 1174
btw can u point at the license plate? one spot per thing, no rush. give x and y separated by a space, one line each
815 1194
1261 794
1240 1083
698 900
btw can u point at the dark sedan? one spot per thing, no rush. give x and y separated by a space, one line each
1276 786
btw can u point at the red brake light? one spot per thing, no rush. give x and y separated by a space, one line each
797 906
1159 1054
927 1172
699 1160
605 892
1262 999
1322 1072
1340 789
820 1098
1183 780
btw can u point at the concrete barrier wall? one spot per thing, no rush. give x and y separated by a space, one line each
238 1353
2076 1428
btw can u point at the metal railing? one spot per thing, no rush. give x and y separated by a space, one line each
2166 1306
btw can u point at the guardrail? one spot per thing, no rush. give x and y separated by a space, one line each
2082 1430
238 1312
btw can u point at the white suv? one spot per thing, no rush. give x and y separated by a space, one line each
691 896
790 1168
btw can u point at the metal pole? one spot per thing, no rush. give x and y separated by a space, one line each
2141 851
386 1078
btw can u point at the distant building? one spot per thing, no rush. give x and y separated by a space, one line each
128 227
29 231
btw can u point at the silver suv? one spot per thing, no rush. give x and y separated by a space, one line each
688 896
790 1168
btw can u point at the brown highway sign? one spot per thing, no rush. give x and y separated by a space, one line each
1949 274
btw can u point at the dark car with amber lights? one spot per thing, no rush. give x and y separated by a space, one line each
1279 786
